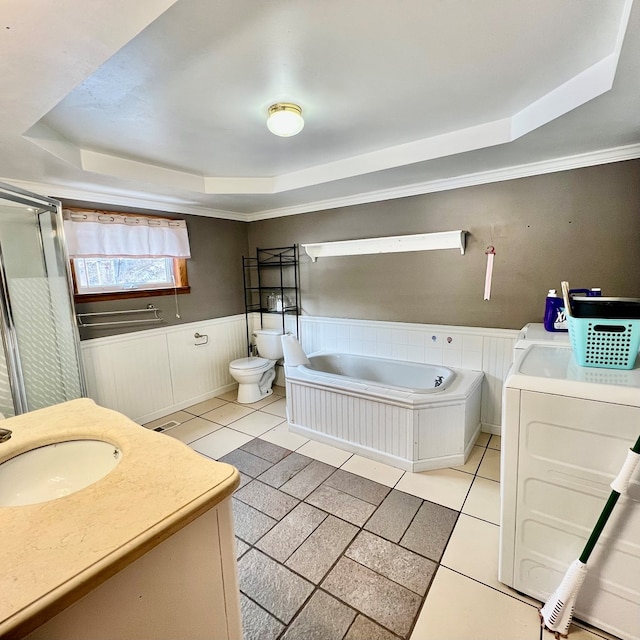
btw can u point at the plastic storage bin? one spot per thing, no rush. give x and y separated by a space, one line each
604 332
603 342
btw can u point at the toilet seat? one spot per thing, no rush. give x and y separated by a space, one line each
250 364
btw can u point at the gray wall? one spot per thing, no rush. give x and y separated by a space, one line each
214 269
581 225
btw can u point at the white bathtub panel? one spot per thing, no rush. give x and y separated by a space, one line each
438 431
130 376
365 422
386 428
473 418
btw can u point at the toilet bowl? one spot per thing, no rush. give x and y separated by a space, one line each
255 375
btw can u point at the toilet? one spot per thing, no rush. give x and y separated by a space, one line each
256 375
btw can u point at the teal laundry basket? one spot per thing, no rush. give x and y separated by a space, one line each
604 332
609 343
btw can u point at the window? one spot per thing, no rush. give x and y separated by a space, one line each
117 255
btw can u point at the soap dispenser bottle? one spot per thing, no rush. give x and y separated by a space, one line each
554 313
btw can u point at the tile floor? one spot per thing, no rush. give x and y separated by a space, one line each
333 546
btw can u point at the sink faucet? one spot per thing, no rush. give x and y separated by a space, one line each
5 434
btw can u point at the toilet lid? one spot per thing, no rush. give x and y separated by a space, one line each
246 364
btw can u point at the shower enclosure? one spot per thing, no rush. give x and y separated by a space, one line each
40 361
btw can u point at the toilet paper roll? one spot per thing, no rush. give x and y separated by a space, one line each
292 351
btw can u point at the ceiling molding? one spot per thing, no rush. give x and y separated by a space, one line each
157 203
605 156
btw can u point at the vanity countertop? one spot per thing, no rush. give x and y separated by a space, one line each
53 553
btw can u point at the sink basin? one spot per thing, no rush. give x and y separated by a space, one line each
55 470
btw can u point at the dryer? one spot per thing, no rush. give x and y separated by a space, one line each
565 435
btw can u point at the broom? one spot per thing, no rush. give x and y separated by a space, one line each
557 613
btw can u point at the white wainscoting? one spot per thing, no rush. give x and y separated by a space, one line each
475 348
149 374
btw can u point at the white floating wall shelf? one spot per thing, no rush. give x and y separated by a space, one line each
390 244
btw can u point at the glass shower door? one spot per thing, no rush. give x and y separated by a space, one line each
39 332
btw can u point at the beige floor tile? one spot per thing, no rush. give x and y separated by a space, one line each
279 390
281 436
220 442
376 471
495 442
473 551
229 396
178 416
473 461
227 414
256 423
278 408
193 429
483 500
206 405
261 404
447 487
490 465
459 608
324 453
582 631
483 439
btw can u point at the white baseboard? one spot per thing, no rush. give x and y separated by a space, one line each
178 406
494 429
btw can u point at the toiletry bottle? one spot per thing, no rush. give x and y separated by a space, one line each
554 314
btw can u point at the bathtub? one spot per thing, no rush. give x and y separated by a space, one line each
412 416
389 374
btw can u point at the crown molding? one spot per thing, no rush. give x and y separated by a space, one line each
158 203
604 156
153 202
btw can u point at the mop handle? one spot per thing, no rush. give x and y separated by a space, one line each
618 486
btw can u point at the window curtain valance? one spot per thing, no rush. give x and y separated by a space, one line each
92 234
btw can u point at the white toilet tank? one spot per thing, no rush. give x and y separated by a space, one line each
269 343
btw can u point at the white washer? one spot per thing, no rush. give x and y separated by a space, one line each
535 333
565 435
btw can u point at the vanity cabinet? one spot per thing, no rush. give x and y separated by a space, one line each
145 552
186 587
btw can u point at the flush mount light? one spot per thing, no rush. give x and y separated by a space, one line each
285 119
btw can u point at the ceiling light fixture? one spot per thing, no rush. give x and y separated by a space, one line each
285 119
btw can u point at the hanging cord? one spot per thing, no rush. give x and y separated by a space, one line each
175 295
